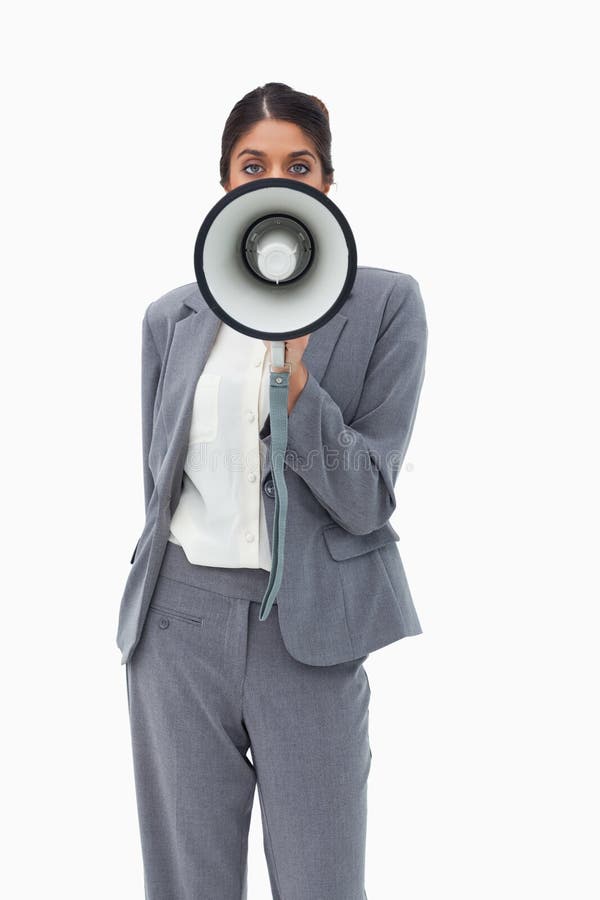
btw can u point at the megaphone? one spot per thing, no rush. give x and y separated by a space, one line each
275 259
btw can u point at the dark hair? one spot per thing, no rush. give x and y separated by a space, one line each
278 101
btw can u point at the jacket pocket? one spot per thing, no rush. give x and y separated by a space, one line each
205 414
343 544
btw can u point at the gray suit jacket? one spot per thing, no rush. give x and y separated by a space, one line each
344 591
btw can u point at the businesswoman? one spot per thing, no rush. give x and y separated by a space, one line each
207 681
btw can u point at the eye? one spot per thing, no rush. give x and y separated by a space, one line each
248 166
293 166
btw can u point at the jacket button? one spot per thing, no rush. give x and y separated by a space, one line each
269 487
163 623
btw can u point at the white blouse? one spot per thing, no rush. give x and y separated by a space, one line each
220 518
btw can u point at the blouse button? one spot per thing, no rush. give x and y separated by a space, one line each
258 362
249 537
251 477
251 417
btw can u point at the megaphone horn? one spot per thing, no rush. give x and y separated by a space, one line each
275 258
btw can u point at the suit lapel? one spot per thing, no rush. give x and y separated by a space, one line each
192 342
320 346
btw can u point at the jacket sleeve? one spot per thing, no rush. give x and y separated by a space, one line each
150 372
352 468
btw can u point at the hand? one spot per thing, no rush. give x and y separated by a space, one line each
294 350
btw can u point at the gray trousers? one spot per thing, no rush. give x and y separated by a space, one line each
207 682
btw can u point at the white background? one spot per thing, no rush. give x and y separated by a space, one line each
466 155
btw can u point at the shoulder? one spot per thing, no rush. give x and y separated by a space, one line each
162 314
170 305
396 297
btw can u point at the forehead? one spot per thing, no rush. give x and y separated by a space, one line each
274 136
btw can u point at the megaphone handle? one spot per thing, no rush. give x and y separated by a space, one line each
278 404
278 354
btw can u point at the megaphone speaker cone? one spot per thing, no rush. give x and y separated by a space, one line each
275 259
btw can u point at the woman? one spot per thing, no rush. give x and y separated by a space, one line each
206 679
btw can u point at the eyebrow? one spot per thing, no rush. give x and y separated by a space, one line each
292 155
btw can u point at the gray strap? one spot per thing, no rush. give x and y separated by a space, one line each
278 403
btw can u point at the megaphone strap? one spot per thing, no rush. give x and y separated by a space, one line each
278 404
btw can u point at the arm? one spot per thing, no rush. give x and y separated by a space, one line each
352 469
